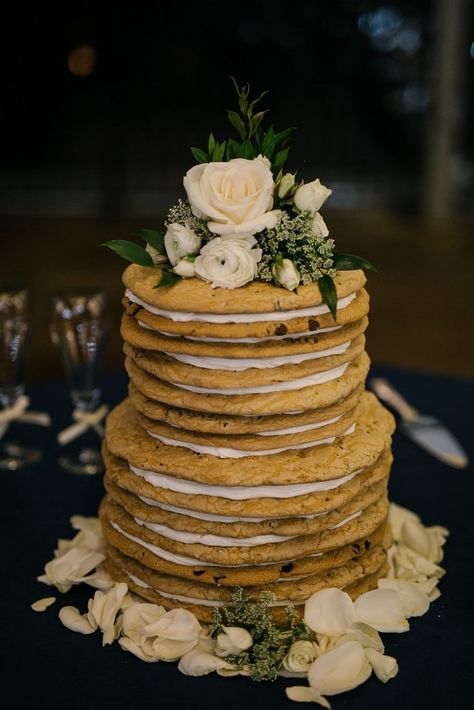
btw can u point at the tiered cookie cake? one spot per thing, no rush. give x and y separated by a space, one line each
248 453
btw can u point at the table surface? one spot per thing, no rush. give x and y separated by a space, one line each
47 666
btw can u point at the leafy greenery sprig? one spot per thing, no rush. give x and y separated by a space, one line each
270 642
341 262
138 255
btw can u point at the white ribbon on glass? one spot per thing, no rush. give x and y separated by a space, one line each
18 413
83 421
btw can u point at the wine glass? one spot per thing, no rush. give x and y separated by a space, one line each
79 330
15 328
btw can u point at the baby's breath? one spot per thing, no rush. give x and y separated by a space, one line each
293 238
181 213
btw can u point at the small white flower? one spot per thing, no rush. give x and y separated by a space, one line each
232 641
300 656
286 274
180 241
228 262
329 611
311 196
319 226
384 667
286 185
185 268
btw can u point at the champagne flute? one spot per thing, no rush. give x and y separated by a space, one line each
15 328
79 330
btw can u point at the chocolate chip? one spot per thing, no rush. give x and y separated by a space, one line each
217 578
198 572
281 329
288 567
313 324
366 544
356 547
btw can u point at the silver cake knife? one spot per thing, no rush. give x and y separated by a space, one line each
428 432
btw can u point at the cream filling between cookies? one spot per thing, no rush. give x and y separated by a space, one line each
186 316
189 561
180 485
203 602
318 378
223 452
289 336
190 538
247 363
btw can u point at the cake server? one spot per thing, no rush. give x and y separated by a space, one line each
428 432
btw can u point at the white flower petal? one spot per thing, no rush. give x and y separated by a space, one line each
311 196
339 670
129 645
232 641
171 650
199 662
398 516
367 636
329 611
303 694
414 535
177 624
72 619
137 616
381 609
384 667
415 601
43 604
300 656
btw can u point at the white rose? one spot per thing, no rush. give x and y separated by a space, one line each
180 241
236 196
300 656
319 226
185 268
229 263
232 641
285 273
311 197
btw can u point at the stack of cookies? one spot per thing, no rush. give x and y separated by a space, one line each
248 453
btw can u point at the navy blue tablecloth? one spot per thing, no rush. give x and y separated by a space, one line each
46 666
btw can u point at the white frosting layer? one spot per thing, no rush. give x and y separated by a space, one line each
289 386
264 363
223 452
186 316
289 336
189 538
180 485
297 429
216 518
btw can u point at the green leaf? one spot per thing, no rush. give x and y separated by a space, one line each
243 94
153 237
254 103
283 136
218 153
232 149
280 159
329 294
347 262
237 123
255 122
200 155
246 150
130 251
168 278
211 144
268 143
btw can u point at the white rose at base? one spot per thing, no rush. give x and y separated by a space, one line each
286 274
319 226
300 656
228 263
180 241
232 641
236 196
185 268
311 196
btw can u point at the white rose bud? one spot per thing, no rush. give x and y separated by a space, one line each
286 184
180 241
155 254
286 274
311 197
228 262
319 226
233 641
185 268
300 656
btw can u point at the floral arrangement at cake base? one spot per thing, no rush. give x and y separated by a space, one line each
335 645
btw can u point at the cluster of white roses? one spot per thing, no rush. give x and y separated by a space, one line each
343 647
236 200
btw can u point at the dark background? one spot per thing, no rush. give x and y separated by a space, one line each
100 105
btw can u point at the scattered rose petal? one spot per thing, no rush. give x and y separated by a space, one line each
136 617
339 670
66 570
178 624
103 609
398 516
72 619
170 649
329 611
415 601
43 604
384 667
303 694
367 636
128 645
381 609
232 641
199 662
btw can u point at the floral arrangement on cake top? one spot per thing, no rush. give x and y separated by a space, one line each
245 218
